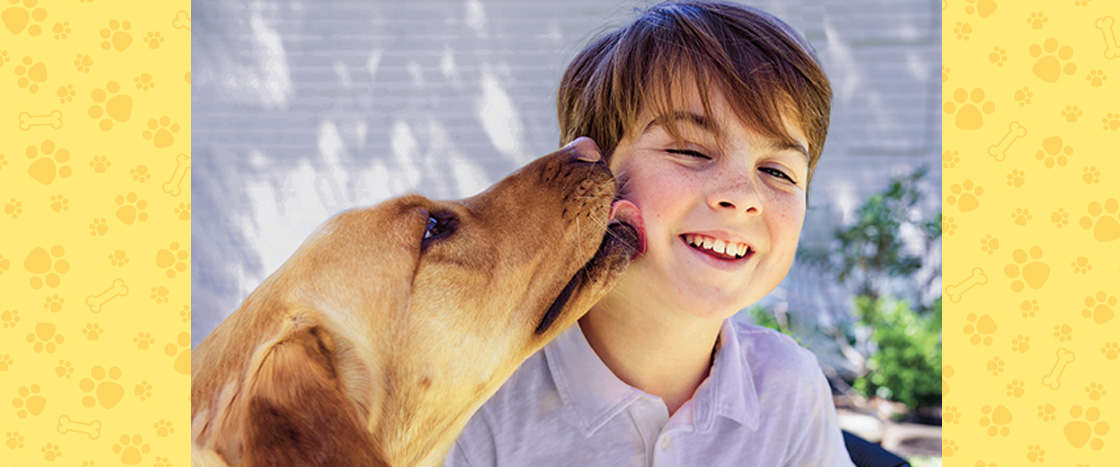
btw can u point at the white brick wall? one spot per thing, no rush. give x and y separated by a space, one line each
302 109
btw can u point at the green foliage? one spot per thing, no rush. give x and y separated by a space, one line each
767 319
906 366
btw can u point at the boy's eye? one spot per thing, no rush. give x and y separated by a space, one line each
777 173
688 152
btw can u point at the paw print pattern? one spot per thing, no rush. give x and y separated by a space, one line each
116 36
6 362
65 94
19 18
143 390
118 258
962 30
29 401
61 30
9 318
982 8
98 227
1072 113
1096 391
950 159
185 314
59 203
965 196
1111 121
1090 175
1081 265
1021 216
949 448
51 164
995 365
64 369
1096 78
182 348
131 209
1099 307
31 74
1111 350
1035 453
13 208
130 449
54 303
1103 220
161 132
998 56
1080 432
1060 218
1023 96
83 63
1047 412
980 329
154 39
1016 389
1053 152
50 451
1053 61
988 244
143 340
163 428
1063 332
183 212
160 294
1021 344
1016 178
13 440
109 106
1034 273
951 415
948 225
106 393
93 331
140 174
172 259
996 419
1037 20
100 164
144 82
969 107
48 265
945 74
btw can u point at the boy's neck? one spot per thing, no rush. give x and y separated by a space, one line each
664 354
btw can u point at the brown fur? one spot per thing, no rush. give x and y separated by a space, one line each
368 348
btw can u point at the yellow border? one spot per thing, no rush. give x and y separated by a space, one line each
95 232
1031 123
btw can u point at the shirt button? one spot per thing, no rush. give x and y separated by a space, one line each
666 441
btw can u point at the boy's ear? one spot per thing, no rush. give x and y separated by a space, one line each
297 412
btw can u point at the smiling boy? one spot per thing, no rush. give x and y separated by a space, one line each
713 117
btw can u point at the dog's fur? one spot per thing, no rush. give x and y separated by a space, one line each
373 346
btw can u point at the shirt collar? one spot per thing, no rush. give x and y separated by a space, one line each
595 395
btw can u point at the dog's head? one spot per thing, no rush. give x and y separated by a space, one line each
451 296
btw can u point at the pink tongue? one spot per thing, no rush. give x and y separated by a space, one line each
627 212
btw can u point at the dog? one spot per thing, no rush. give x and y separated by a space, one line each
391 325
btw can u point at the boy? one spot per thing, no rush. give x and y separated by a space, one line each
713 117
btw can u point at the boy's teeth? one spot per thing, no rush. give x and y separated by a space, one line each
719 246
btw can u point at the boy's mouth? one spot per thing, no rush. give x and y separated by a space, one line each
717 248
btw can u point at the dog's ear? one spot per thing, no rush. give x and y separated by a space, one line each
297 411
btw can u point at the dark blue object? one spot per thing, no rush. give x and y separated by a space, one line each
867 454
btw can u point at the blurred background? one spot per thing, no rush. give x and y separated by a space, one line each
303 109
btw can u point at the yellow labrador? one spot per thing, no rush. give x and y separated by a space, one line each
388 328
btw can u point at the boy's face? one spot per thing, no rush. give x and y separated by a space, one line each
748 191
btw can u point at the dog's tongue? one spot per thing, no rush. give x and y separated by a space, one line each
626 224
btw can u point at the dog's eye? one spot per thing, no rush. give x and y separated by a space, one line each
440 225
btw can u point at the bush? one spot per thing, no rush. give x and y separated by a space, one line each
906 366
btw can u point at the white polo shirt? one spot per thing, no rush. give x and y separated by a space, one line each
765 403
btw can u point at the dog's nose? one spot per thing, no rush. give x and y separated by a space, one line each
586 149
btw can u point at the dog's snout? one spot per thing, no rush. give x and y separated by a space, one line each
586 150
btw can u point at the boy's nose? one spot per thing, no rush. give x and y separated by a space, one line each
586 149
736 195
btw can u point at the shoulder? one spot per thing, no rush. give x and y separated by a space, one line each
765 348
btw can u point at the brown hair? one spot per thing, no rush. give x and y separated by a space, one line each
764 69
